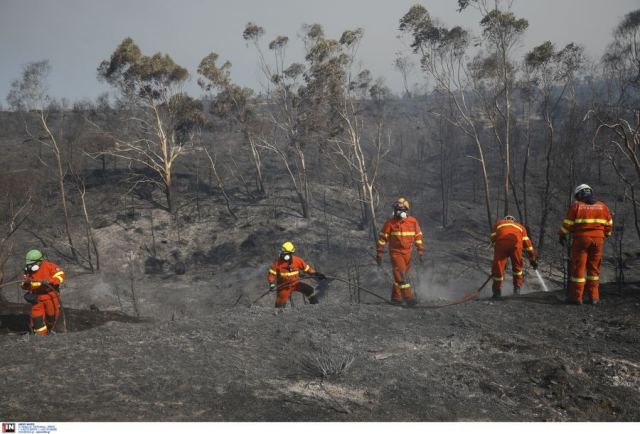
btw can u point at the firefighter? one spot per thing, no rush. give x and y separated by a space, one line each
401 232
284 276
588 221
42 280
509 239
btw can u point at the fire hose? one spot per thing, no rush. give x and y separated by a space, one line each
465 299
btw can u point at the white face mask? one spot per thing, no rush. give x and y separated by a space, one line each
285 257
32 268
402 214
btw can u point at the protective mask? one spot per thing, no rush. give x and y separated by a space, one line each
285 256
401 214
31 268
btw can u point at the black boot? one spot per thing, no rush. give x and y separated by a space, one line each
497 294
516 290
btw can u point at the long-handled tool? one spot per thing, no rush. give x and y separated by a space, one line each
10 283
282 285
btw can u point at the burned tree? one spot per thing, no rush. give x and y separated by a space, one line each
159 113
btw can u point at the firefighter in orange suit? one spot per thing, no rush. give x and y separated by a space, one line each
284 276
401 232
509 239
589 221
42 280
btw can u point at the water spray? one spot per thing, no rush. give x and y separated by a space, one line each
542 282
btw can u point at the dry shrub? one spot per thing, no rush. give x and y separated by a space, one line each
326 362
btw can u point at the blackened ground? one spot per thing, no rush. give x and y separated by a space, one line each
528 358
14 319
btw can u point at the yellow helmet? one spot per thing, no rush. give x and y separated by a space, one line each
288 247
401 203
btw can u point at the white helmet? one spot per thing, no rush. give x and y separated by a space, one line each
580 189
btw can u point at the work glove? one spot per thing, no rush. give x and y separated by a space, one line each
534 264
272 287
562 240
379 260
320 276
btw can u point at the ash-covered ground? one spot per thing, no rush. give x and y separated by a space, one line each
147 344
528 358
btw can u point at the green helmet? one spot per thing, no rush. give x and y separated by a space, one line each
33 256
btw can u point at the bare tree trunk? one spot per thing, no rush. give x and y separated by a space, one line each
257 164
169 194
525 167
61 186
91 242
220 184
443 188
485 178
544 209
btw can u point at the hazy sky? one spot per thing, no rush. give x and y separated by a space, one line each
75 35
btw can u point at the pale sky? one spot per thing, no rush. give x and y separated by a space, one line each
75 35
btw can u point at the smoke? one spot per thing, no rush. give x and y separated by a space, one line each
441 283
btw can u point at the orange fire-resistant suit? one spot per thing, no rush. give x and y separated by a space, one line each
509 238
400 234
43 288
286 275
589 224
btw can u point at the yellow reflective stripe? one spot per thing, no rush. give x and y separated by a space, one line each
592 278
419 233
517 273
385 235
529 249
36 284
525 238
43 328
272 271
568 222
578 279
382 243
418 241
608 234
306 268
404 234
402 285
59 275
493 234
509 224
498 279
292 273
602 221
564 231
